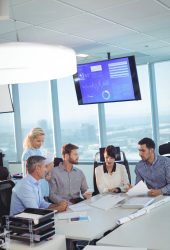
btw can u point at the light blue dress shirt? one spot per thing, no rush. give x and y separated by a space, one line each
40 152
27 194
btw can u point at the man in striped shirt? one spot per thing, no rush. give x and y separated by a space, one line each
153 169
68 182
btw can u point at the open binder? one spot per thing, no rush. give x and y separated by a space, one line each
143 211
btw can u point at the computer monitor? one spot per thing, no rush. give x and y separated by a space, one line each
113 80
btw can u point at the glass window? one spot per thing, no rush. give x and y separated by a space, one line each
35 106
79 123
7 141
163 89
128 122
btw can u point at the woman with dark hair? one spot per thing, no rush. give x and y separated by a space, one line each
111 176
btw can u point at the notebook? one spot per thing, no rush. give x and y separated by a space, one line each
138 202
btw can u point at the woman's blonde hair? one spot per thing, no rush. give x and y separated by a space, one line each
31 135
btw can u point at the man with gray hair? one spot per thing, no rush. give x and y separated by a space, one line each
27 192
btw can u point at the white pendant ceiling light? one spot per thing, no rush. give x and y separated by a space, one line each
29 62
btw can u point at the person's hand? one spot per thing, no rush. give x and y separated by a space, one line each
60 207
87 195
154 192
114 190
128 187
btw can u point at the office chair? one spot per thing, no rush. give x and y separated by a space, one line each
99 160
164 149
1 158
4 174
96 191
5 197
57 161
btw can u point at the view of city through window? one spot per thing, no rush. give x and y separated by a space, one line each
126 123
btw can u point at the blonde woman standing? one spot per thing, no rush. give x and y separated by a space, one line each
33 146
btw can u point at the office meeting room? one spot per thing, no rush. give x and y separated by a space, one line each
84 124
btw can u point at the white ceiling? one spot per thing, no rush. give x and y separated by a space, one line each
94 27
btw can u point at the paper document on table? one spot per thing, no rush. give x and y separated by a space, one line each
157 204
138 202
143 211
107 202
139 189
113 248
69 215
34 217
132 216
79 207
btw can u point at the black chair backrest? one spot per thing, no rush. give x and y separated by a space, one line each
117 154
57 161
4 174
164 149
96 191
5 196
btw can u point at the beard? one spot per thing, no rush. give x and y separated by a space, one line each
73 161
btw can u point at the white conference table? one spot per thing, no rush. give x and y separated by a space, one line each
150 231
100 222
58 242
112 248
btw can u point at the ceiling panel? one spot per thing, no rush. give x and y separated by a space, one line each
137 10
123 27
9 26
93 5
40 11
164 2
151 23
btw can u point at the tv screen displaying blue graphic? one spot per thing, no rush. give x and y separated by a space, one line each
113 80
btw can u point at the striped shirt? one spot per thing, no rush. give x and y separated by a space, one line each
157 175
66 185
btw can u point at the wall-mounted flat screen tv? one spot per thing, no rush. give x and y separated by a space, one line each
113 80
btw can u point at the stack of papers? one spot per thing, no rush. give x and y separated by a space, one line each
139 189
138 202
34 217
131 216
79 207
107 202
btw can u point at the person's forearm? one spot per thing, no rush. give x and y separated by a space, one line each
55 198
166 189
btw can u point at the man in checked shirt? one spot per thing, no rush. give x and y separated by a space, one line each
153 169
